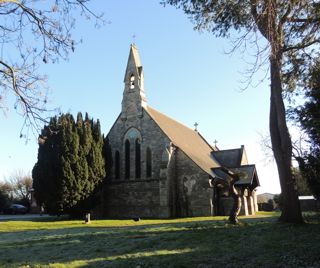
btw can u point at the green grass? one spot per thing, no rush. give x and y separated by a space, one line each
190 242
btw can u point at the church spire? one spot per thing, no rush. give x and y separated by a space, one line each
133 96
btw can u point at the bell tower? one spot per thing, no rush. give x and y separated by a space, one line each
133 95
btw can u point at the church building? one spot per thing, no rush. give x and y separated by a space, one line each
162 168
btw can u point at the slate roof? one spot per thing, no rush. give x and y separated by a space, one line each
229 158
248 175
202 153
187 139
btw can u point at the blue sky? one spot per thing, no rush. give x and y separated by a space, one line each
187 76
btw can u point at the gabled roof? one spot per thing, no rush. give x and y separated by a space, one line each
248 175
187 139
229 158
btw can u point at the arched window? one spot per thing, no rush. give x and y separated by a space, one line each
132 138
132 134
132 81
149 163
127 159
117 165
138 159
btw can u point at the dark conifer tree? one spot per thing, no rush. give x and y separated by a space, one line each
309 117
107 151
70 164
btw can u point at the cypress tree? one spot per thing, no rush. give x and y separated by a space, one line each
46 179
70 164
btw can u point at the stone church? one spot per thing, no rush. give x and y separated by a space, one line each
162 168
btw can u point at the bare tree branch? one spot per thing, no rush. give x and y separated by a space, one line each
301 45
22 25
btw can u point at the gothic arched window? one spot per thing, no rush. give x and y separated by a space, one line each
132 78
138 159
132 134
127 159
117 165
148 163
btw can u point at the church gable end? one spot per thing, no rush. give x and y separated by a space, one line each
133 186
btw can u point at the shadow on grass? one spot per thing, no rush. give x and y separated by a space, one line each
62 226
254 243
32 218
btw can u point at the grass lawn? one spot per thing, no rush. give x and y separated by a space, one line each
190 242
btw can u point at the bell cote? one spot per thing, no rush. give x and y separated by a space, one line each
133 95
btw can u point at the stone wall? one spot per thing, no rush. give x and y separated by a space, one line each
144 196
152 137
177 187
194 195
133 199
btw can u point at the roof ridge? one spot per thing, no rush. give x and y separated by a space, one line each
206 141
148 106
228 150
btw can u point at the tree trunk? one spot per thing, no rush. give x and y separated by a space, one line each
233 217
281 146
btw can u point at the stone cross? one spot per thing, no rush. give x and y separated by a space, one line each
215 143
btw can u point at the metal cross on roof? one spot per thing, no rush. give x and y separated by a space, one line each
134 38
195 126
215 143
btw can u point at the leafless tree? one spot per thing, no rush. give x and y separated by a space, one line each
299 145
34 32
19 183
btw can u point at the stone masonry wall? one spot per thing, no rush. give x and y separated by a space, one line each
133 199
194 195
177 187
136 196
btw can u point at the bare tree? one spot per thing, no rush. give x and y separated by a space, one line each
34 32
6 188
265 145
20 184
299 145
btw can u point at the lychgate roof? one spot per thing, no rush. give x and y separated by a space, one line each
231 158
247 173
